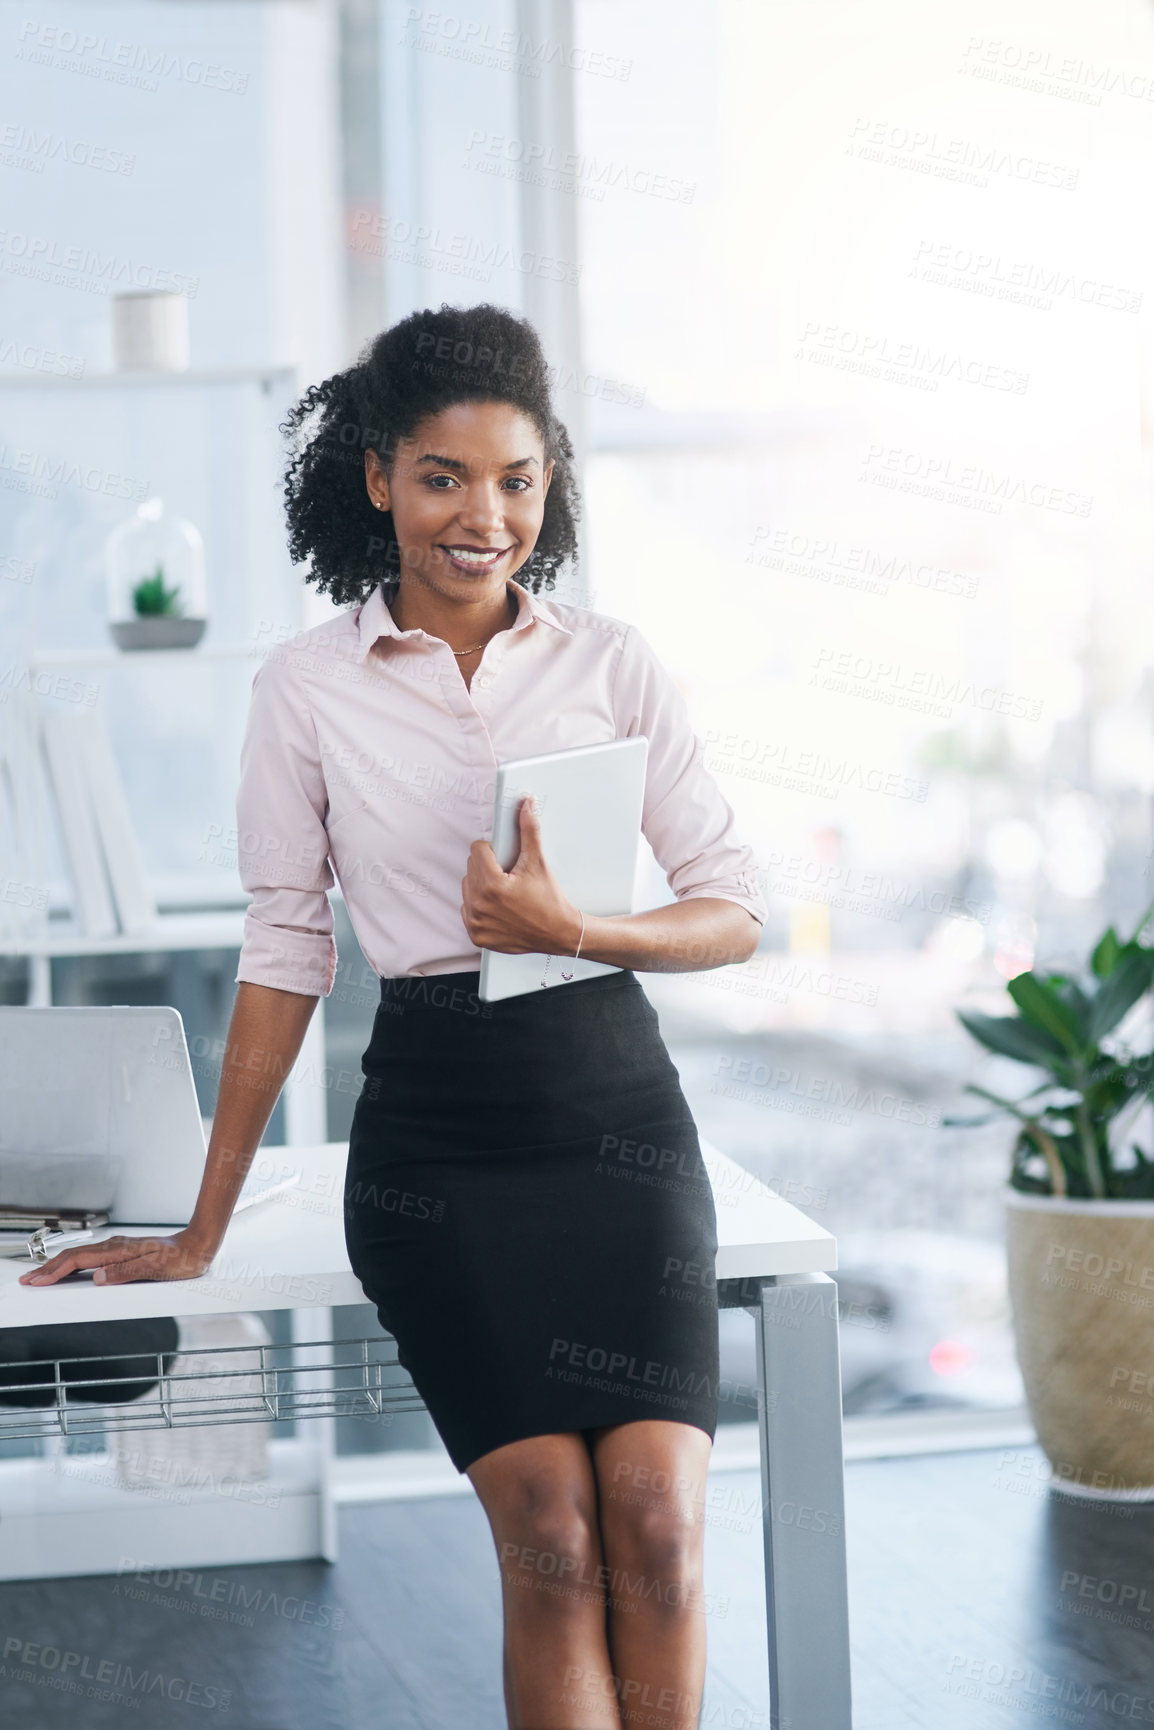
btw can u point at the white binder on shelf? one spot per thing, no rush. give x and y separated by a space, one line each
135 905
69 775
110 889
23 800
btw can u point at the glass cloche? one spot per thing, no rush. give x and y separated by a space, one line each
156 594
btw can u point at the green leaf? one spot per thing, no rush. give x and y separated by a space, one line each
1013 1106
1075 998
1119 992
1137 1077
152 597
1142 924
1043 1086
1136 1184
1011 1037
1105 956
1042 1007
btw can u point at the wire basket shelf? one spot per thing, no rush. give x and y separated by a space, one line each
354 1378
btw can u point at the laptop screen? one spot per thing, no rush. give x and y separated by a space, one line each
98 1109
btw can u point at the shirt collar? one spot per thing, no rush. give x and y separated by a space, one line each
374 619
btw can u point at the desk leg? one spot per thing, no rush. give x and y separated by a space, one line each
803 1502
39 982
317 1325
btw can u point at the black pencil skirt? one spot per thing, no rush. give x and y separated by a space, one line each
527 1207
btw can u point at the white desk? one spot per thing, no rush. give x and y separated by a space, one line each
290 1254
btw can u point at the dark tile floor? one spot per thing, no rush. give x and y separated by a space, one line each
979 1601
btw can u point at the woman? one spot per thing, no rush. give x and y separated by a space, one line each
525 1187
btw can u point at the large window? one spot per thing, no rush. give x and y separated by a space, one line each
876 483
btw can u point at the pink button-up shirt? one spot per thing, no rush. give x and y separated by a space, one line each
366 756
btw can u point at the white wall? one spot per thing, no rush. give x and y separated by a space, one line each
189 145
225 119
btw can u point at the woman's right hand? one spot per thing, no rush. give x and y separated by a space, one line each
119 1260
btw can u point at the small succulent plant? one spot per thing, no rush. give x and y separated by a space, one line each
152 598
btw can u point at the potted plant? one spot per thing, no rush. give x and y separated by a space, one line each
156 581
1080 1215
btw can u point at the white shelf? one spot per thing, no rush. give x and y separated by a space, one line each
172 931
112 656
141 380
70 1516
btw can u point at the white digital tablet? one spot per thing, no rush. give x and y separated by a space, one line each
589 802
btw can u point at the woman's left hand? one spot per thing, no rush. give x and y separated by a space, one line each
523 910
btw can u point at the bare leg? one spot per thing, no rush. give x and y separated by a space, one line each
540 1496
651 1485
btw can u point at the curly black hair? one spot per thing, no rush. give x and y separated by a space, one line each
428 362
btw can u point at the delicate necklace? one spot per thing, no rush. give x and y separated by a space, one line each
476 646
488 640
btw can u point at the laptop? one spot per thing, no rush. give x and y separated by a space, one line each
589 802
98 1112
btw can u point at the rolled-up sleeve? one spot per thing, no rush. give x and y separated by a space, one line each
282 845
686 819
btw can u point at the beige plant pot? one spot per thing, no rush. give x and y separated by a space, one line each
1081 1276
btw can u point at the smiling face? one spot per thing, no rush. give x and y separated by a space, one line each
467 494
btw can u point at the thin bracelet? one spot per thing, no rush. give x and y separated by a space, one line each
549 958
